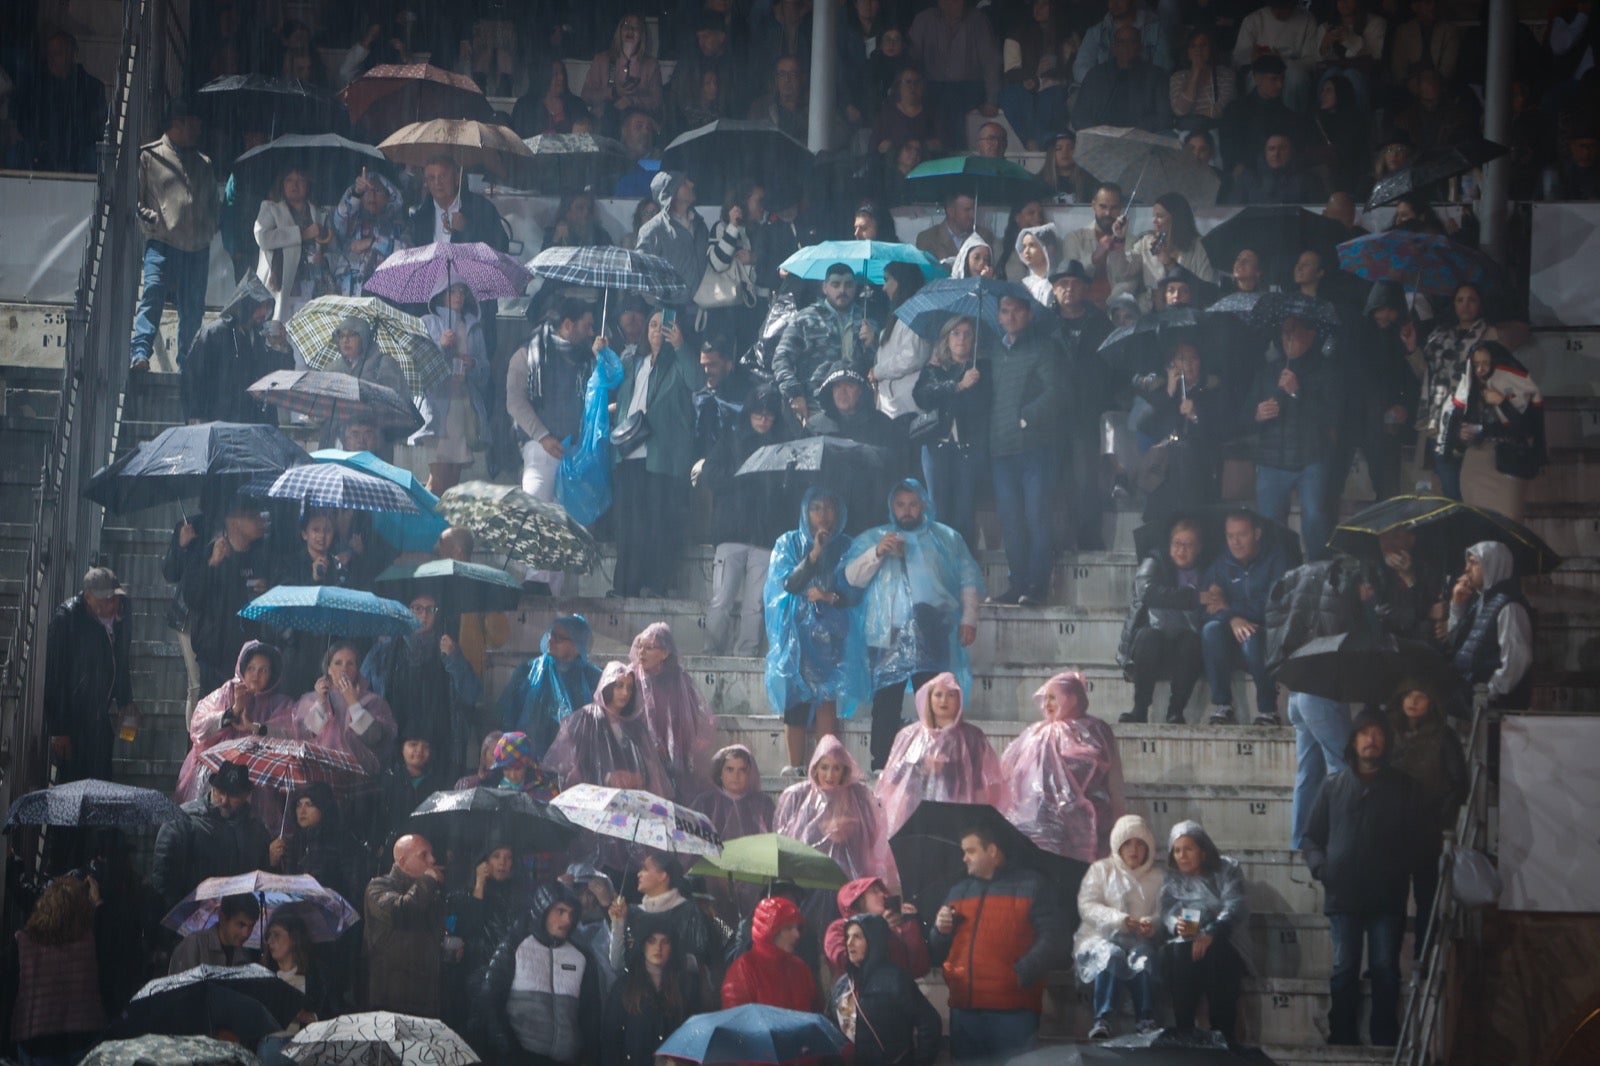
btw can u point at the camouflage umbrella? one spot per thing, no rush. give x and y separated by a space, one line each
159 1050
506 519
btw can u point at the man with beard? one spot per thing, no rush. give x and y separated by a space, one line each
218 836
832 332
1091 245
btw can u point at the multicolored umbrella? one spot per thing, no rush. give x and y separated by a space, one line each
393 95
460 588
988 180
1146 165
184 462
326 913
754 1032
379 1038
482 146
400 336
767 857
611 268
866 258
507 520
407 532
1422 262
92 802
640 817
335 485
568 162
286 765
416 275
939 301
329 609
325 394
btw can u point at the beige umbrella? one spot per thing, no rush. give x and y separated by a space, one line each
475 145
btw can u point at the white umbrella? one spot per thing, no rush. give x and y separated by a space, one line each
640 817
379 1038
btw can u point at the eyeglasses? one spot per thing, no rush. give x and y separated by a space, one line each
424 608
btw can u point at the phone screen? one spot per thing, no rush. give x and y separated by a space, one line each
669 318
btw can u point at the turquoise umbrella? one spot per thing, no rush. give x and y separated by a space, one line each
866 258
988 180
407 532
329 609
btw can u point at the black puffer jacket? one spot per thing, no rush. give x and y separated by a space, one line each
1159 601
893 1021
204 844
1315 600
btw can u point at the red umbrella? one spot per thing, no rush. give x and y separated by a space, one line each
390 96
286 765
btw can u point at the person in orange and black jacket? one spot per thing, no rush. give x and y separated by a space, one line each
997 936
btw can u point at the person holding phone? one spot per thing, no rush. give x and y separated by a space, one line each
1203 910
906 946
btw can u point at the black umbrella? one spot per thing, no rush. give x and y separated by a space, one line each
1165 1047
723 153
331 162
1145 346
1445 529
1278 234
1440 164
1153 536
252 103
186 461
1361 668
460 588
854 471
205 998
472 816
927 850
92 802
570 162
1270 311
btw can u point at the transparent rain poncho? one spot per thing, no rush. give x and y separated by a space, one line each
815 651
1112 891
543 694
954 763
1222 896
843 822
747 814
583 486
616 752
1063 775
679 719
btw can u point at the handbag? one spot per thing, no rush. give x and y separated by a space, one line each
927 427
633 431
733 287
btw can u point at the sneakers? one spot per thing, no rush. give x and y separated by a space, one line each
1133 716
1100 1030
1221 716
139 365
1176 718
1147 1025
1005 599
792 772
1268 720
1025 600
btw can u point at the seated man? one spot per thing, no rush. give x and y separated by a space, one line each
221 944
1275 177
1491 634
1234 592
942 239
1162 634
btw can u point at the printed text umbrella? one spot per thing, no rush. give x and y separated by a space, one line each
415 275
990 181
1278 234
460 588
185 461
400 336
1445 529
92 802
254 103
754 1032
611 268
1146 164
379 1038
330 161
324 394
1440 164
407 532
286 765
1423 262
570 162
325 912
336 485
723 153
1358 668
390 96
767 857
480 814
184 993
506 519
330 609
640 817
160 1048
482 146
938 301
866 258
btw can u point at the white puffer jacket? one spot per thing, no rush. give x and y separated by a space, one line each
1112 891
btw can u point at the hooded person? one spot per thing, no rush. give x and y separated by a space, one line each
1063 775
367 362
416 773
966 265
680 721
1037 248
921 590
1491 631
320 845
241 708
488 909
540 997
519 768
1427 750
551 685
877 1004
655 994
1204 905
228 355
907 946
938 757
1119 903
677 233
1494 425
770 972
456 411
834 811
737 807
366 238
430 690
848 411
342 712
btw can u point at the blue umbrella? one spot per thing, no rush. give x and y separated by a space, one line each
332 610
938 301
866 258
407 532
754 1033
333 485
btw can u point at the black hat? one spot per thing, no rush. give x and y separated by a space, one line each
1073 269
710 20
1269 65
231 779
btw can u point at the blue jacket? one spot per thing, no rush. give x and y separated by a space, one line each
1247 585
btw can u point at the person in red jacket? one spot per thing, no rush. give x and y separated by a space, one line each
867 895
770 972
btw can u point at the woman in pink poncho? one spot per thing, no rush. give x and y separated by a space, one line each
679 719
342 712
240 708
606 742
835 812
1063 775
938 757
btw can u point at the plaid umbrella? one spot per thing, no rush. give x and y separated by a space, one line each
379 1037
329 609
189 1050
639 817
460 588
407 532
866 258
286 765
392 95
186 461
416 275
325 394
988 180
335 485
1423 262
939 301
92 802
325 912
483 146
1437 165
400 336
330 161
1146 164
506 519
611 268
568 162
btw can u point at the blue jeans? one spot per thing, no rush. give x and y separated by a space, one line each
1449 470
952 477
184 274
1034 115
1316 521
1382 933
1138 986
1321 731
1022 485
1223 655
991 1035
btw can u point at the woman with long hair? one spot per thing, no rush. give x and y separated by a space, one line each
293 235
954 386
1427 750
1341 129
1201 90
1445 357
654 995
342 712
58 1013
1203 912
578 222
1027 214
549 105
1495 430
623 77
1172 242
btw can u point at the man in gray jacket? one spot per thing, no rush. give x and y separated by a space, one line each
540 1000
677 234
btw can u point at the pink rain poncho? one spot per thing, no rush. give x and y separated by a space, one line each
842 822
748 813
362 728
597 747
954 763
1063 775
206 728
679 718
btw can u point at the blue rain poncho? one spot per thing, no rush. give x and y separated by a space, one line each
814 650
583 486
541 695
913 608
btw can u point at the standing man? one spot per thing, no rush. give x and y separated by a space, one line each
178 210
677 233
217 582
218 836
1360 843
1234 593
88 686
1295 404
405 912
832 332
541 1000
921 611
1079 329
954 43
231 354
997 936
719 403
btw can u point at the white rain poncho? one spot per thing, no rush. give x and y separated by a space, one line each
955 763
1110 893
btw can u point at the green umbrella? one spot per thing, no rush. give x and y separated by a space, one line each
988 180
768 857
460 588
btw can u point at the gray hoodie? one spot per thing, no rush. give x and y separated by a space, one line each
679 243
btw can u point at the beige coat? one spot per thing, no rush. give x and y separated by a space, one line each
178 203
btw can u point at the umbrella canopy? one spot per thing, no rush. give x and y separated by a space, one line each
1269 311
1278 234
988 180
1144 346
286 765
640 817
416 275
253 103
178 1002
928 851
570 162
1213 522
186 461
1423 262
866 258
1236 303
92 802
514 818
325 912
832 461
1147 165
329 161
335 485
754 1032
938 301
324 394
330 609
156 1050
767 857
1358 668
1436 165
393 95
460 588
611 268
721 154
1163 1047
400 336
379 1038
483 146
406 532
506 519
1445 529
